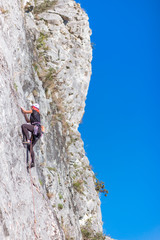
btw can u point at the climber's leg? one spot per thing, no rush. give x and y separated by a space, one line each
30 148
25 129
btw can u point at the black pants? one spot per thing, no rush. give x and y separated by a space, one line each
26 128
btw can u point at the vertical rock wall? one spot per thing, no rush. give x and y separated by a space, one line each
46 58
20 207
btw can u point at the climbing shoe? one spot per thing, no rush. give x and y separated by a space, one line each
27 142
32 165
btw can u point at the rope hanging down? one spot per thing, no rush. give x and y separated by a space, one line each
29 163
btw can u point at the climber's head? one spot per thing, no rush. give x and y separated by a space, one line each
35 105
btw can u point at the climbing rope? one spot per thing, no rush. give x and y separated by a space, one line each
30 161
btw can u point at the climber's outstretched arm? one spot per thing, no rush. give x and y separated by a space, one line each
25 112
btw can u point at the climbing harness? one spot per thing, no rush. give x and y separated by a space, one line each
36 127
35 132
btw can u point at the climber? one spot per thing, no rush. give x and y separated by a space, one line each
34 126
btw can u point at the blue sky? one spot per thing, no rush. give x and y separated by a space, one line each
121 124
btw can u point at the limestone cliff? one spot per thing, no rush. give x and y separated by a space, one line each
45 57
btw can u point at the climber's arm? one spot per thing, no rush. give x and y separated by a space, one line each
25 112
26 118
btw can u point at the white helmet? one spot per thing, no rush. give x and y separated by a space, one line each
36 105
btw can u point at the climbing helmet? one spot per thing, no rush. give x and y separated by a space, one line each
36 105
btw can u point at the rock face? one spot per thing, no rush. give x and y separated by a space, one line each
45 57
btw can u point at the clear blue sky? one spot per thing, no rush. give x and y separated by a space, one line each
121 125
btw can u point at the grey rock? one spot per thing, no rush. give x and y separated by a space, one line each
45 58
51 18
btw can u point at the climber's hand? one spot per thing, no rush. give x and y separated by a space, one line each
22 110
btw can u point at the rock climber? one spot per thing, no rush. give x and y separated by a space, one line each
33 125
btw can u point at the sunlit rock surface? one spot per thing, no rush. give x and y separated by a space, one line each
45 57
